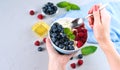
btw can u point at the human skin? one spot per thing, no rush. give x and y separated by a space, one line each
56 60
100 23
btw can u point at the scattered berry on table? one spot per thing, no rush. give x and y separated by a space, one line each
73 65
37 43
71 58
32 12
80 56
44 40
40 49
40 16
80 62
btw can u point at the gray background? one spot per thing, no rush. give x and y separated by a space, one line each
17 50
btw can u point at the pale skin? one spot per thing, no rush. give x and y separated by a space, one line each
100 23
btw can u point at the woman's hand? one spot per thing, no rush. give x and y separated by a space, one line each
100 22
56 60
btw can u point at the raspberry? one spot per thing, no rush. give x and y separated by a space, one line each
83 40
84 30
32 12
73 65
80 34
79 44
40 16
77 38
82 25
80 62
37 43
79 29
44 40
75 32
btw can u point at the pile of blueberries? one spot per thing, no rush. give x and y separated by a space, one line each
59 38
49 8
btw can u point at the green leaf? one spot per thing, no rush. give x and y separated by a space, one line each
67 30
75 7
63 4
68 8
69 33
72 36
87 50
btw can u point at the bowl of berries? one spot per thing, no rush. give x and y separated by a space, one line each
65 39
49 9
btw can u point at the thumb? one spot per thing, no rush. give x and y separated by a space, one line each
50 49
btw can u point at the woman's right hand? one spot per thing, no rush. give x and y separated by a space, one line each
100 23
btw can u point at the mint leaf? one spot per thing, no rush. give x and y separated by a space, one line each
72 36
68 8
88 50
74 7
69 33
63 4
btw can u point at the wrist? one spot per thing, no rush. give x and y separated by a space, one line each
54 65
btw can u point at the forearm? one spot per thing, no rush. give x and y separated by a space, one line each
112 56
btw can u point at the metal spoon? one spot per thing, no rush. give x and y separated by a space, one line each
79 21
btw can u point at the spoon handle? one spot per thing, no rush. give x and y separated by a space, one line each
102 7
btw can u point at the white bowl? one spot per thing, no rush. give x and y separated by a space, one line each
59 49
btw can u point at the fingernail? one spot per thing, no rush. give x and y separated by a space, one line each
96 8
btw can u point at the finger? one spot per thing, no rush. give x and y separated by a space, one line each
96 14
70 55
91 21
49 47
91 10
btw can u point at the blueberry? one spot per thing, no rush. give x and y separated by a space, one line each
56 24
66 39
55 8
60 27
71 47
63 35
59 36
71 42
80 56
66 43
71 58
53 35
49 3
40 49
57 43
61 46
53 39
62 41
66 47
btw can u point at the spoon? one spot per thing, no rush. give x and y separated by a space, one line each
79 21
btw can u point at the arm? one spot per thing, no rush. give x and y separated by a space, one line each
100 23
